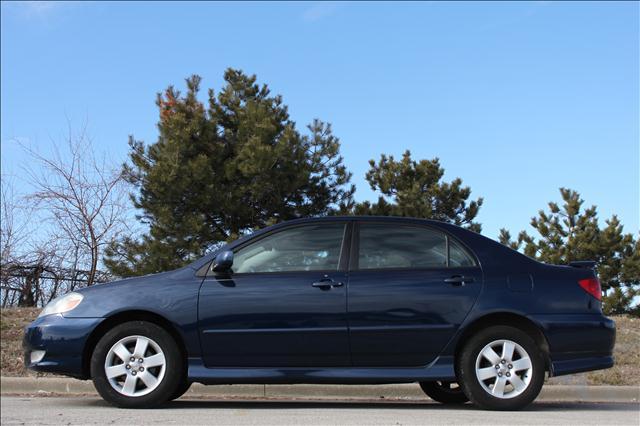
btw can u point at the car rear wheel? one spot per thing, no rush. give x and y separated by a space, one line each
501 368
137 365
444 392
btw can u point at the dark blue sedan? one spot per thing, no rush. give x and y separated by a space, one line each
339 300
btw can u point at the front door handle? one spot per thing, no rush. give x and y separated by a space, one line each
458 280
326 284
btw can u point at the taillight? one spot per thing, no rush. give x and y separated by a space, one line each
592 286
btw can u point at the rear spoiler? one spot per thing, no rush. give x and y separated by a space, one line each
584 264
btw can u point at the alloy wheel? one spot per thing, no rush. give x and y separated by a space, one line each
135 366
504 369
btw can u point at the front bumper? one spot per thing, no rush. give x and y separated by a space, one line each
579 343
63 340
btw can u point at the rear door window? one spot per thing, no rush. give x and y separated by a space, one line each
385 246
389 246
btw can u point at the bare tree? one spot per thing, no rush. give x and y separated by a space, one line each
13 236
83 196
13 226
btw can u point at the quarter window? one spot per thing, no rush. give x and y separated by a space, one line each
303 248
458 256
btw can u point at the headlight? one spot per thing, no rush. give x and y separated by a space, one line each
62 304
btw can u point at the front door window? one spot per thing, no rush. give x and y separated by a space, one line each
303 248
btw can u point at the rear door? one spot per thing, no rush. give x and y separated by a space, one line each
284 304
410 288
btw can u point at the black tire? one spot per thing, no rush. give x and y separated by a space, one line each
471 385
181 390
444 392
174 373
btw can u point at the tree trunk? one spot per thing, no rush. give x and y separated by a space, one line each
26 295
94 256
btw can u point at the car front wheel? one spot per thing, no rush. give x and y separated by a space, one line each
501 368
137 365
181 390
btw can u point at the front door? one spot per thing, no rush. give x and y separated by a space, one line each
410 288
284 304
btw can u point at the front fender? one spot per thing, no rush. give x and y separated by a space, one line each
171 295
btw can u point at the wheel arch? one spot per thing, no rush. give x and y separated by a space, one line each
510 319
126 316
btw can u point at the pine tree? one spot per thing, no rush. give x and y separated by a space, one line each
415 190
220 170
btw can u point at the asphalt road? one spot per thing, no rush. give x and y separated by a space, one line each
90 410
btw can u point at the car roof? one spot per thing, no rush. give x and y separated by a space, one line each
361 219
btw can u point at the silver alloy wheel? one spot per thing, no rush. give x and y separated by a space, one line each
504 369
135 366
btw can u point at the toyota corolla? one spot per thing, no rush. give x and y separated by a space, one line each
340 300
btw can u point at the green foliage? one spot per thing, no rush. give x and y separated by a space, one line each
216 171
620 300
416 190
571 232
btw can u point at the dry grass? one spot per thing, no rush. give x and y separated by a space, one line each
627 353
12 323
625 372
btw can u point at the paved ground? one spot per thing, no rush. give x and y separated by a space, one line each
61 386
90 410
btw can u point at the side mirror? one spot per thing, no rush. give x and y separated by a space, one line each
223 261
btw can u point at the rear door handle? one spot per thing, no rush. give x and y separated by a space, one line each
326 284
458 280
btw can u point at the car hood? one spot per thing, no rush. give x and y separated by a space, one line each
158 278
173 291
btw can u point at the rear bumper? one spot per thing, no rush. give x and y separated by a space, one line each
579 365
578 343
63 342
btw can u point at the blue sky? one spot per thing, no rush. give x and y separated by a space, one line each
517 99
